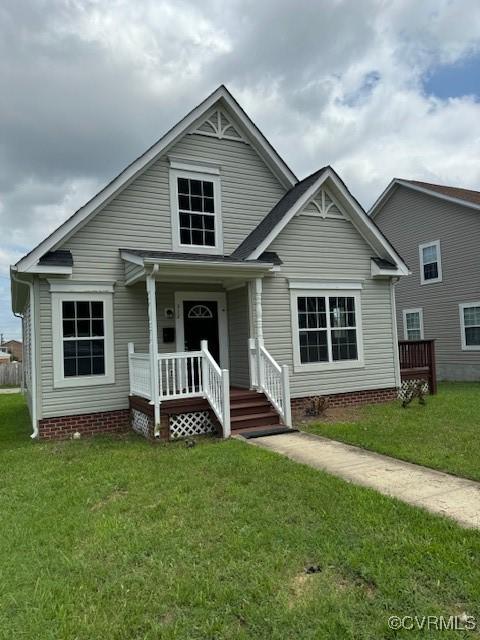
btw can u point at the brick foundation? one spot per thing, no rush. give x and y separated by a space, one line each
368 396
87 424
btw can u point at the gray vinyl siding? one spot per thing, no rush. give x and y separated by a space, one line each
130 325
139 217
238 329
411 218
329 250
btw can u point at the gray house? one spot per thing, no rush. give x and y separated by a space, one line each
206 287
437 230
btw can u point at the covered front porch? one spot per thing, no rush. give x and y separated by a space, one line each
206 359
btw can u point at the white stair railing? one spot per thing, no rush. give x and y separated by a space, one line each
187 374
216 388
271 378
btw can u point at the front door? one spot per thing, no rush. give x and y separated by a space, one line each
200 321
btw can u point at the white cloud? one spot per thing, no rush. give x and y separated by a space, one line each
92 83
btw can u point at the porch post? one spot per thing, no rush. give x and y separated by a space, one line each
259 331
152 323
258 309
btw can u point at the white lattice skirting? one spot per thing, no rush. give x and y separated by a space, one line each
141 423
184 425
408 385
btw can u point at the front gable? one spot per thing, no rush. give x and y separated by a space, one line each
322 195
218 118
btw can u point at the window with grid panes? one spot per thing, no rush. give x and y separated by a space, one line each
196 208
327 328
83 336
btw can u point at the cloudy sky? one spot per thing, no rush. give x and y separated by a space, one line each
377 88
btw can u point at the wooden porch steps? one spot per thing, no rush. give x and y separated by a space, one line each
250 410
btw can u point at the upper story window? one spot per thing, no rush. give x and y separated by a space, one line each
196 208
413 324
470 324
327 329
430 262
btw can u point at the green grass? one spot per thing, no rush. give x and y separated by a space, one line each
444 434
119 539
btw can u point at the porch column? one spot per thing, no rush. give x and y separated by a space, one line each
258 309
259 331
152 324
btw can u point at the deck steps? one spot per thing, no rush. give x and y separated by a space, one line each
250 410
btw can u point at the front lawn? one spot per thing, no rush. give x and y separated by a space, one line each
444 434
115 538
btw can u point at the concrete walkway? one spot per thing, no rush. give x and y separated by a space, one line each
435 491
10 390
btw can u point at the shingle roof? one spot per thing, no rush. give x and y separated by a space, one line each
59 258
453 192
267 257
256 237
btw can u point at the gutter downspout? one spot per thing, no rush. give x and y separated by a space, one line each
396 355
33 348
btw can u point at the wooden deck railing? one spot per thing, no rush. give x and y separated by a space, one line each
417 360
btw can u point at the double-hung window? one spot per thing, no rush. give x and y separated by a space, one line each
413 324
196 211
470 325
82 327
430 262
327 329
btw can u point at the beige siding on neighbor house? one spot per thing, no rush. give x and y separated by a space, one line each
139 217
329 250
410 218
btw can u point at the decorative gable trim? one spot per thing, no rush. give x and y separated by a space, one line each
323 205
219 125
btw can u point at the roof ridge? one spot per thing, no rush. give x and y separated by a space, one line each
443 186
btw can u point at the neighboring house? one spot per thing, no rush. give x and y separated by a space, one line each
4 355
437 230
207 236
15 348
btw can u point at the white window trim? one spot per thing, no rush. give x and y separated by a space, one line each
59 379
421 247
461 307
326 366
195 173
418 310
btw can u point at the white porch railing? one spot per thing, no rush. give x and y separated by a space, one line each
216 387
180 375
271 378
186 374
139 373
